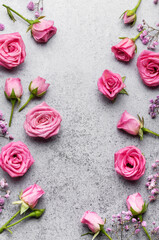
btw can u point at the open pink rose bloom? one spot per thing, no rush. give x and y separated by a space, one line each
15 159
42 121
130 163
12 50
124 50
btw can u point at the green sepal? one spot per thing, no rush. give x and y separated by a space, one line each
19 101
134 21
122 15
40 95
11 15
122 37
134 213
130 12
95 235
34 91
41 17
144 209
88 233
13 96
30 86
29 28
123 91
135 48
20 194
141 121
141 134
6 95
123 78
24 207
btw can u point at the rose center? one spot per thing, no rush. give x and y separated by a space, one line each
14 155
129 165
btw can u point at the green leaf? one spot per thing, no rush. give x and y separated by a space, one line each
123 91
123 78
95 235
10 15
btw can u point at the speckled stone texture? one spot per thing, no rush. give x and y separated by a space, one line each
76 168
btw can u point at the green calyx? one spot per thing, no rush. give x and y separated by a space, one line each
141 132
136 214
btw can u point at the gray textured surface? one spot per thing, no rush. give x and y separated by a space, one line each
76 168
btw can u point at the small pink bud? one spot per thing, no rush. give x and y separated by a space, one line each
31 6
92 220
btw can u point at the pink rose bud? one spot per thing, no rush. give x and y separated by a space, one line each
31 195
13 88
135 202
43 30
12 50
92 220
38 87
129 123
129 19
148 65
13 91
125 50
110 84
130 163
31 6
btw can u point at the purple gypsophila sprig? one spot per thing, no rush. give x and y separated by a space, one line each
154 107
155 231
123 223
4 128
153 182
37 6
149 36
4 193
155 1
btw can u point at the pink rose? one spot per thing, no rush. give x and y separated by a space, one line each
15 159
125 50
130 163
40 85
135 202
42 121
12 50
129 19
43 30
13 84
129 123
92 220
148 66
110 84
31 195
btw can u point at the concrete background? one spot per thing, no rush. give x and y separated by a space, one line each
76 168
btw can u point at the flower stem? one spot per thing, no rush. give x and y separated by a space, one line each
25 19
13 224
106 234
5 225
149 131
138 35
30 98
13 101
138 4
145 230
